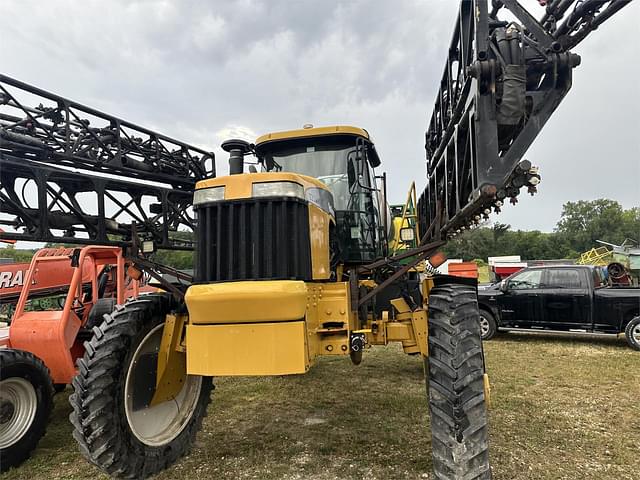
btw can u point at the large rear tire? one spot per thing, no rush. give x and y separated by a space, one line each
114 424
26 400
455 369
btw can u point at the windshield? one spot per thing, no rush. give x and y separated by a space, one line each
327 163
351 181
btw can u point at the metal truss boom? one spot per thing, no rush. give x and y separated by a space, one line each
72 174
502 81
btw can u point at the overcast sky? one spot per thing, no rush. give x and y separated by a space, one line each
204 71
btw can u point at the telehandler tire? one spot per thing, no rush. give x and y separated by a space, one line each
114 425
455 384
26 400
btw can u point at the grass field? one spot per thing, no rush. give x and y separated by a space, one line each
563 408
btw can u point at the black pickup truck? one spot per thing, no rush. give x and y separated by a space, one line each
565 298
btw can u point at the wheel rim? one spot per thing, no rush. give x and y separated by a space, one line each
18 406
635 334
159 424
484 326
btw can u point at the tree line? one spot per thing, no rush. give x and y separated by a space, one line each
581 224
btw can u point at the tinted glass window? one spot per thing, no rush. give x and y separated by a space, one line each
563 278
526 280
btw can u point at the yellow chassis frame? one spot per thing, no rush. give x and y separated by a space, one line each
213 346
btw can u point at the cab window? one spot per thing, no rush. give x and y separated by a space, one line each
343 167
562 278
525 280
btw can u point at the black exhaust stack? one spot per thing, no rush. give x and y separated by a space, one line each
237 150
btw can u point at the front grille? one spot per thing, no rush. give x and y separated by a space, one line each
253 239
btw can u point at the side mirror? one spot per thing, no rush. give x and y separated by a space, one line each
504 288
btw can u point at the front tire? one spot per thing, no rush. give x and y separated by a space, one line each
114 424
26 400
455 366
632 333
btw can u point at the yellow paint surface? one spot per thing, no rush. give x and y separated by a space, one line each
239 186
250 301
319 236
313 132
247 349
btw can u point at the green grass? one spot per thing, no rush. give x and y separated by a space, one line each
563 408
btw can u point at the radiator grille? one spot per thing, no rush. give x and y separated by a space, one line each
254 239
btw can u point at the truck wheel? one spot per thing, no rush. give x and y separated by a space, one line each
455 366
632 333
26 400
488 325
114 424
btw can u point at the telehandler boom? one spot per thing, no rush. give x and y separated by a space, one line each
292 262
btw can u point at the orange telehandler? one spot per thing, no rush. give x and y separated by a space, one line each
39 349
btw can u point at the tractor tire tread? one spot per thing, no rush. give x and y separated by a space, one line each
455 369
103 437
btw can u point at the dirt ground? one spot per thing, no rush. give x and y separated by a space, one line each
563 408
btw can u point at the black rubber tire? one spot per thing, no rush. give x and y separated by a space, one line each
628 333
59 387
493 325
18 363
98 417
102 307
455 384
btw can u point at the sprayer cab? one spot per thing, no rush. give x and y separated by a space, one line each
343 158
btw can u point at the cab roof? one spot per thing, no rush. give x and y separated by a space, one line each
311 132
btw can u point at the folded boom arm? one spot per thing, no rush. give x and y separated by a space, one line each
501 83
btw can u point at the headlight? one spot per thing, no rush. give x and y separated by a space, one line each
278 189
206 195
321 198
407 234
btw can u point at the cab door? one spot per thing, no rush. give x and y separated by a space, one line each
565 299
519 302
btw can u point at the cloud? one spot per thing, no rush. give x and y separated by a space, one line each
198 70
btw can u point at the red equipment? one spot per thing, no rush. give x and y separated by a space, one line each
88 275
505 269
464 269
53 279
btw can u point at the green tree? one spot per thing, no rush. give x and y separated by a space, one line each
180 260
17 255
500 240
584 222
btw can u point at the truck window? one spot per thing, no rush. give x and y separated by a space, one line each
525 280
599 279
563 278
